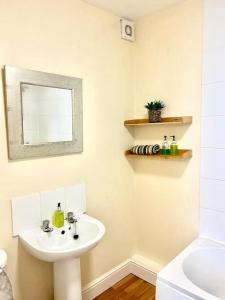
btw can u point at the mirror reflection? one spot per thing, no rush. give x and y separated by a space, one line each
47 114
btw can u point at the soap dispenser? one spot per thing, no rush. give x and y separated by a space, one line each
173 146
165 147
58 217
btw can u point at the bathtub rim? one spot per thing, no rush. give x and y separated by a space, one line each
174 276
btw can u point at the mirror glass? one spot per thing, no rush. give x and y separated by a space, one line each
47 114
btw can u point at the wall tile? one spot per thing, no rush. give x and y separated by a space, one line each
212 224
213 129
26 213
29 211
214 23
213 122
213 163
213 99
213 194
76 198
214 66
49 201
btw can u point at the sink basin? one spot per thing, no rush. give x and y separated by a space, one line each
55 246
60 247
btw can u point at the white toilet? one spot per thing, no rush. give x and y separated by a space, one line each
3 259
5 285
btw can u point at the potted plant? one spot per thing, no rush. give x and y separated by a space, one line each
154 110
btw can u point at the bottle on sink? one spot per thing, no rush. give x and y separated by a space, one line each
165 146
173 146
58 217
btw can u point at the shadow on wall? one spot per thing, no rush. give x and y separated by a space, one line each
156 132
131 131
34 273
162 168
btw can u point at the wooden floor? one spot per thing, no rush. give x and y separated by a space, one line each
132 288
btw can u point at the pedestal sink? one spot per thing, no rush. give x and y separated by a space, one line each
60 247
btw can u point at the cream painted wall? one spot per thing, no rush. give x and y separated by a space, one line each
168 66
71 38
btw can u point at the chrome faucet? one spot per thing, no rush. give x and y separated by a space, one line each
71 218
45 226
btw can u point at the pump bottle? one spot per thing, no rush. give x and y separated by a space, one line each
173 146
58 217
165 146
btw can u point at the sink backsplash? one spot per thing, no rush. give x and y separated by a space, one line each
29 211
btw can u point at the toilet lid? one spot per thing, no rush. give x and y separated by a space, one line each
3 258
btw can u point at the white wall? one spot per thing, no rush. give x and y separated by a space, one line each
213 122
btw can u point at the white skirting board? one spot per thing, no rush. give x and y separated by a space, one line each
137 265
105 281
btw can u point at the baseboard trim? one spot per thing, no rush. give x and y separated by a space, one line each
108 279
143 273
105 281
145 268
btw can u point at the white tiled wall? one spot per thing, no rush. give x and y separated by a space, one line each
26 213
29 211
75 198
213 122
49 201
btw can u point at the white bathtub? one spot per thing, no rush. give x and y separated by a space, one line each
198 272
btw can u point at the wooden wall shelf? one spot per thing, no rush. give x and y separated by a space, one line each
182 154
164 121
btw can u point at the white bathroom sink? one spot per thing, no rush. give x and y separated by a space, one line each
60 247
55 246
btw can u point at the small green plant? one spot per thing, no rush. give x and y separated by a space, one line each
155 105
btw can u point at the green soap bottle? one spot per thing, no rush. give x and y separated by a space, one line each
58 217
173 146
165 147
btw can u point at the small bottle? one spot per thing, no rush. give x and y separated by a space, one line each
173 146
58 217
165 147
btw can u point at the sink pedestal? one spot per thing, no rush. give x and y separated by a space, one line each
67 280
